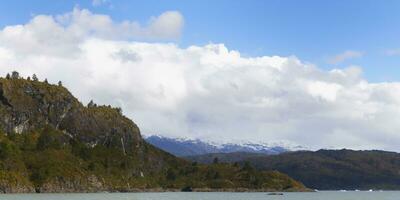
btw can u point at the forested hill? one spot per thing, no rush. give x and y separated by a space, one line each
326 169
50 142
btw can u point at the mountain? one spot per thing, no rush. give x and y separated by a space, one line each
188 147
326 169
50 142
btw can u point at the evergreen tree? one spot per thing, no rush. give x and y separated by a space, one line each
216 175
247 166
215 161
15 75
59 83
28 78
45 81
171 175
90 104
34 77
8 76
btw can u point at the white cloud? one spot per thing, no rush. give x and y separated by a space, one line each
62 35
326 91
349 54
207 91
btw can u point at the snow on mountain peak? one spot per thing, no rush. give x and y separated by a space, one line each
190 146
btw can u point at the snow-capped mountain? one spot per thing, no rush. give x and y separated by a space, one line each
190 147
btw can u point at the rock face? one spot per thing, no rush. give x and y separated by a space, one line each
50 142
15 186
91 184
30 105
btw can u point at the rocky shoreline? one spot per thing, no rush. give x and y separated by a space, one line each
94 185
28 190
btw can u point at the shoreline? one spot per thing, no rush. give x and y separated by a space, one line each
162 190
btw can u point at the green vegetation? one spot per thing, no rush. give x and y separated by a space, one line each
326 169
50 142
47 156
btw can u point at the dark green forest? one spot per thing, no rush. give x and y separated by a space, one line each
326 169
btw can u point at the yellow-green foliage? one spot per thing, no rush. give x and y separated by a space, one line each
46 155
17 89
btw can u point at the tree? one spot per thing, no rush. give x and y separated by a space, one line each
45 81
28 78
171 176
34 77
14 75
59 83
7 149
50 139
119 110
216 175
247 166
8 76
90 104
210 173
215 161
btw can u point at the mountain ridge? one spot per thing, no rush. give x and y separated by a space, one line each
183 147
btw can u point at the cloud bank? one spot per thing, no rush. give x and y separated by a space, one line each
207 92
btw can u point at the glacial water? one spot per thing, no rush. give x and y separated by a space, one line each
323 195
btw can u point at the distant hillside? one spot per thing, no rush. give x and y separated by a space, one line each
238 157
50 142
326 169
187 147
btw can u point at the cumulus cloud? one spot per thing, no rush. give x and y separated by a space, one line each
207 92
349 54
62 34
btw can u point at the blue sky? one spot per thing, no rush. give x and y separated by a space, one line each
315 31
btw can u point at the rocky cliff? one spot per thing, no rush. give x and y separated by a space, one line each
30 105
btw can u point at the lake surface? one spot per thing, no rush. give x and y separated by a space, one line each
209 196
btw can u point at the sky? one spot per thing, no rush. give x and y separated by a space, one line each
312 73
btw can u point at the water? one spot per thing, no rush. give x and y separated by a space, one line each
209 196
